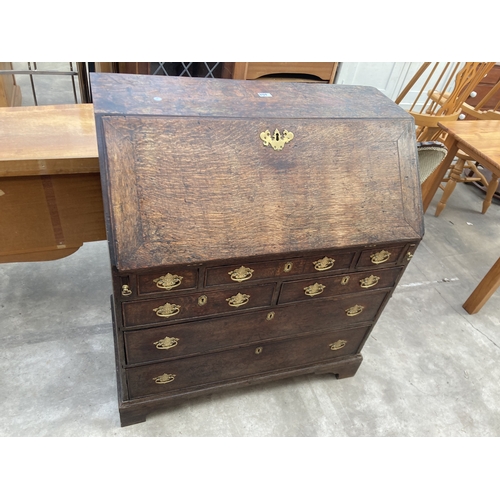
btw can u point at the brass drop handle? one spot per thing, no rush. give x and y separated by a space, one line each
338 345
369 281
166 378
167 310
380 257
166 343
126 291
315 289
241 274
324 264
354 310
238 300
168 281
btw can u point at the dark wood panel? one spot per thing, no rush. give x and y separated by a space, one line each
245 361
220 333
142 312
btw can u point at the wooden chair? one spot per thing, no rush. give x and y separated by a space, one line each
456 80
437 93
456 173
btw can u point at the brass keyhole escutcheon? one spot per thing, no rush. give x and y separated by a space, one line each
369 281
126 291
314 290
241 274
258 350
354 310
202 300
344 280
270 316
380 257
168 281
166 343
338 345
324 264
166 378
276 140
167 310
288 267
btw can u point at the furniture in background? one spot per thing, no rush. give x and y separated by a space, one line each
486 288
430 155
319 72
10 92
478 139
50 190
250 269
436 94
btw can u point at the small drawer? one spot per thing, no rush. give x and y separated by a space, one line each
167 281
197 337
380 256
323 263
329 286
146 312
242 362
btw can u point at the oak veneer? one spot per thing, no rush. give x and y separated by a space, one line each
235 263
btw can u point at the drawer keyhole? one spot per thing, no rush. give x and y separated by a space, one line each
258 350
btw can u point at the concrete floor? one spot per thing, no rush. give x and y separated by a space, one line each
429 368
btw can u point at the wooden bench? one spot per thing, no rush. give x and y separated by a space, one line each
50 190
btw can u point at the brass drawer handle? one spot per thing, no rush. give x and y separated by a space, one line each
324 264
354 310
277 141
338 345
313 290
126 291
380 257
168 281
241 274
167 310
409 256
166 343
238 300
369 281
166 378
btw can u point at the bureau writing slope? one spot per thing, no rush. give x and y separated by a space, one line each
256 228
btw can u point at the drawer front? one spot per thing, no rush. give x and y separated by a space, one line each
257 359
167 281
323 287
380 257
206 335
148 312
318 263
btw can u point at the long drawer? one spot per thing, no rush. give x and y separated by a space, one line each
219 333
240 362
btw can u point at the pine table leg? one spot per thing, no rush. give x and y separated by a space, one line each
484 290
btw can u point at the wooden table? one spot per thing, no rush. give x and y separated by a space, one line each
50 193
481 141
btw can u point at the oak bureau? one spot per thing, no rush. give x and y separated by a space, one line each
256 229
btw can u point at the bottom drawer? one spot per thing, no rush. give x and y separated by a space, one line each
242 362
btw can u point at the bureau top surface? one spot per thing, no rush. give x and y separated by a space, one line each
189 178
116 94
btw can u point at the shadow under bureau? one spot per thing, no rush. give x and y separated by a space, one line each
256 229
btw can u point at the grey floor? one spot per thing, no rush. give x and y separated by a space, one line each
429 368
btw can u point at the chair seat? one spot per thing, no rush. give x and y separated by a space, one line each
430 155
